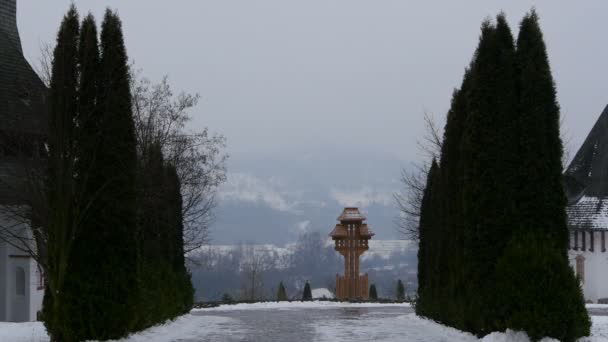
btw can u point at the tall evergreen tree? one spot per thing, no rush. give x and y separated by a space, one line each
490 150
427 274
449 211
400 292
373 293
176 235
281 293
77 286
540 237
502 211
307 294
112 193
541 193
61 225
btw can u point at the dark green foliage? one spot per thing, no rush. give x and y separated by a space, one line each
61 224
428 260
490 166
109 224
227 298
281 293
542 196
373 293
492 250
539 293
537 252
116 255
400 291
307 294
82 275
165 282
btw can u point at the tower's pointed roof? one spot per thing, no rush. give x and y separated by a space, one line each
351 214
587 174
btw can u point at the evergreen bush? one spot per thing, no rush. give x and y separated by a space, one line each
373 294
281 293
307 294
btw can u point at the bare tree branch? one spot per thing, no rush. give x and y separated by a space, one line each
413 182
160 118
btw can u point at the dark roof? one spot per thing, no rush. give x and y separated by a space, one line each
22 94
587 174
586 180
8 21
23 104
588 213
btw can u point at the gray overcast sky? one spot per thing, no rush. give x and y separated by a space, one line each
297 76
322 100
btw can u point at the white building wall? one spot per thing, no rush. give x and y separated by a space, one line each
36 291
16 307
595 279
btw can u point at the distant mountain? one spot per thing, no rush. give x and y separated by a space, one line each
275 199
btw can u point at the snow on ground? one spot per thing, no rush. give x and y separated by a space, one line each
321 293
23 332
298 306
373 326
183 328
415 329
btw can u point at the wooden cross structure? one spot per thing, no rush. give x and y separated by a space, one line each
351 237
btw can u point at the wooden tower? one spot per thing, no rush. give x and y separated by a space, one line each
351 236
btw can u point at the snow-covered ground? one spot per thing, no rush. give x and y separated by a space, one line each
335 322
183 328
299 306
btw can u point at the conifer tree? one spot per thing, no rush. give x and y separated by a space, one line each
426 253
373 294
490 147
400 292
61 225
176 231
542 199
540 237
227 298
307 294
450 300
77 287
281 294
112 181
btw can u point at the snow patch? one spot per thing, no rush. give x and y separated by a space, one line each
298 306
321 293
183 328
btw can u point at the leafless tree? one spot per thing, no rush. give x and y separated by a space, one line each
45 61
24 205
160 118
566 138
413 181
255 261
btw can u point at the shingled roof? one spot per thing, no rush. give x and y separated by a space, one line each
586 180
22 93
23 104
